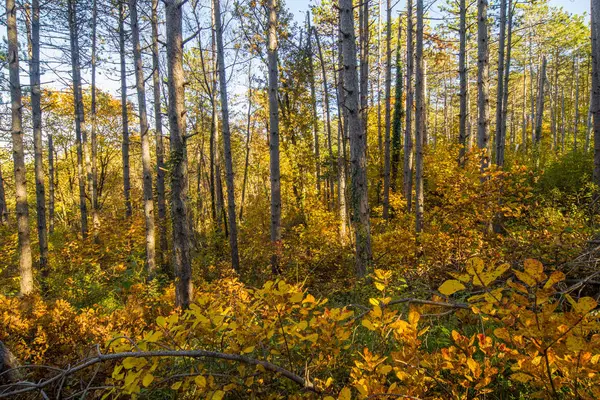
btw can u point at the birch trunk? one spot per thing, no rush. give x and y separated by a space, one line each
500 140
22 208
595 17
398 115
462 70
483 98
419 121
408 138
3 206
124 114
94 130
51 185
540 103
388 113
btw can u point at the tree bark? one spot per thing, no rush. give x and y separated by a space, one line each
595 23
51 184
358 154
274 136
178 157
408 137
160 151
483 98
22 208
79 116
507 78
341 143
124 114
313 99
248 139
36 115
500 139
145 142
363 17
419 121
94 139
3 205
462 71
226 133
540 103
398 114
388 112
576 106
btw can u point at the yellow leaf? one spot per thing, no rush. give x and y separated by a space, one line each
309 299
450 287
345 394
176 385
367 324
474 266
525 278
520 377
555 277
129 362
376 312
575 343
380 286
248 349
414 317
160 321
200 381
384 369
585 305
218 395
148 378
297 297
328 398
374 302
534 268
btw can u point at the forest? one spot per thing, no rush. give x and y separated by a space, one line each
334 199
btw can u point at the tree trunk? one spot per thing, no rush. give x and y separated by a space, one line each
274 136
595 17
358 154
25 268
562 112
500 139
398 115
388 113
463 76
363 17
178 157
540 103
341 143
419 120
225 131
507 77
248 138
408 138
483 97
3 206
94 138
144 133
554 95
79 116
51 185
160 151
36 115
124 114
313 98
576 106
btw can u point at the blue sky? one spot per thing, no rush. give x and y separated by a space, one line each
299 7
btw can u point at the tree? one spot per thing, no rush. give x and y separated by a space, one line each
483 98
225 131
144 133
313 98
79 112
388 112
595 22
178 157
36 116
398 114
500 139
160 151
358 153
540 103
22 208
3 206
419 120
94 132
463 73
272 60
124 114
408 137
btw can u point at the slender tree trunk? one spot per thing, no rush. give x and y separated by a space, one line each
500 139
363 17
341 143
408 137
144 133
313 97
398 114
588 126
483 98
274 136
160 151
506 78
388 113
358 153
51 185
79 116
3 206
25 264
562 129
524 115
36 115
124 114
595 17
94 132
326 107
463 76
554 95
419 120
248 138
576 119
540 103
178 158
225 131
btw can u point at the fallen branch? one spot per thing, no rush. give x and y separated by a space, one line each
100 358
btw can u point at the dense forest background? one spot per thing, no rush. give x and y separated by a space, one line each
217 199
